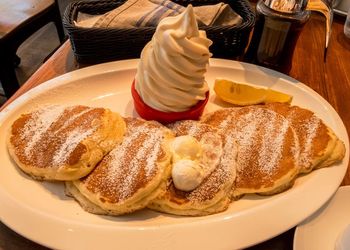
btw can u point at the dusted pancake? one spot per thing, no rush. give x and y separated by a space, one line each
267 148
212 194
63 143
131 175
319 146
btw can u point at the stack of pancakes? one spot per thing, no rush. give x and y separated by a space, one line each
114 165
63 143
275 143
133 174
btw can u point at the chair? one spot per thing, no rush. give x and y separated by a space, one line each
19 19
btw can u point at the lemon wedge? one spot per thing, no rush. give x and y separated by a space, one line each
276 96
244 94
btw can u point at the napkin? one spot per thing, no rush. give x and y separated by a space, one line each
148 13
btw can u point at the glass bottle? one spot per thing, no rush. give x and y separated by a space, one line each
278 26
347 25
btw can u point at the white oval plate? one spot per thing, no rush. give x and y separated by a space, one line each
321 230
41 212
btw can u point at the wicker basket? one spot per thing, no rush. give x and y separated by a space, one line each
96 45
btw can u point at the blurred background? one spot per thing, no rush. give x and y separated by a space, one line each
38 47
34 51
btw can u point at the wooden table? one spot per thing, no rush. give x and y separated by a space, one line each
330 79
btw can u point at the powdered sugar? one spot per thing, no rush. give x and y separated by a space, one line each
71 119
266 139
149 145
212 151
311 127
137 154
228 158
70 143
260 135
307 126
39 124
153 157
245 131
193 130
50 135
226 122
271 150
116 163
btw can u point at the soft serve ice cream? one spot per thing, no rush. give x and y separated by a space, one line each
170 75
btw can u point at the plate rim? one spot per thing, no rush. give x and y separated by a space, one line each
316 214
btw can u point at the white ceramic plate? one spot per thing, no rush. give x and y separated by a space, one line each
321 230
41 212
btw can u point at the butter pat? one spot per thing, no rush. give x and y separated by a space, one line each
186 147
194 160
187 175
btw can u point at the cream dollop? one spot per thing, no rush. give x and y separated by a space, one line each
187 174
186 147
170 75
194 160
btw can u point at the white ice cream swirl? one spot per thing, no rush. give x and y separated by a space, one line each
170 75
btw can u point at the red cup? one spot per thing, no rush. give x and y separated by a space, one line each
148 113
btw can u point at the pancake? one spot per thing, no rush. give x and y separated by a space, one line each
317 141
267 148
337 155
212 194
131 175
63 143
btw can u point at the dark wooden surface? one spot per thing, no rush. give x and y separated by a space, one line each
20 11
331 79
